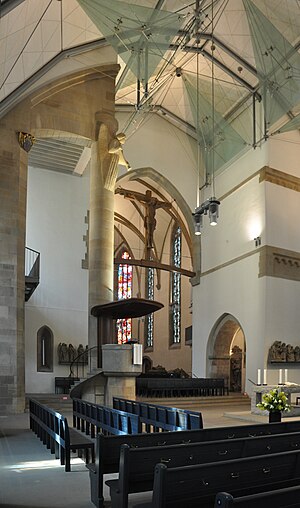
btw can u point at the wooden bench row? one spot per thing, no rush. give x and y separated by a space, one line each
108 447
197 486
153 415
137 465
278 498
53 430
173 387
92 418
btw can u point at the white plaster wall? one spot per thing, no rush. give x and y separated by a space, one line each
284 152
282 213
229 259
282 322
267 308
56 207
237 290
242 218
160 145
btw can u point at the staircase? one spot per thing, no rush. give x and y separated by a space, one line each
196 403
32 272
58 402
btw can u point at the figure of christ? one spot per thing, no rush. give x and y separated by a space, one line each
151 204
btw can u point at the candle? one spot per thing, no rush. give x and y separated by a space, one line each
285 375
280 376
258 377
265 376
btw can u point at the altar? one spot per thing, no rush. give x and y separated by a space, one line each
291 390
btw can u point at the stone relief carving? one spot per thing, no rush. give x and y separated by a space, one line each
282 352
67 354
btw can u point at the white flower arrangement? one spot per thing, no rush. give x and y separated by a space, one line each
275 400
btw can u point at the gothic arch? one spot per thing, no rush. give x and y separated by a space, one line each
193 241
225 334
45 349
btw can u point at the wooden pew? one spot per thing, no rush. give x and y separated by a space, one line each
53 430
136 468
278 498
92 418
108 447
176 387
196 486
170 417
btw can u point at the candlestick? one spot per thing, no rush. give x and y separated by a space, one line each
285 375
265 376
258 376
280 376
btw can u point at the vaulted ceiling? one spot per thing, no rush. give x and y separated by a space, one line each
206 65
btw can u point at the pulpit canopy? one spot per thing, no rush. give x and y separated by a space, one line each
127 308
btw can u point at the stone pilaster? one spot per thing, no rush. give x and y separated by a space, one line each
101 224
13 186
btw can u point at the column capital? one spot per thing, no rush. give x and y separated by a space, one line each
107 119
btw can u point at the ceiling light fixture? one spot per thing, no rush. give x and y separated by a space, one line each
211 205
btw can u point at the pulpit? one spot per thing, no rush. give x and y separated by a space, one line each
121 309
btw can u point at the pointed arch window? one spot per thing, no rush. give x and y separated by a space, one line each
124 326
149 320
44 349
175 303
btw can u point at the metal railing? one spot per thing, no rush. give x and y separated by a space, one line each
81 363
32 263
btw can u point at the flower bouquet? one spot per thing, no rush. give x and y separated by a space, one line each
275 401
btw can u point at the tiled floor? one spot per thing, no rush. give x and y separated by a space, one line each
30 477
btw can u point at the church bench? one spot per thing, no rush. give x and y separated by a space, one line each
136 467
151 413
93 418
196 486
108 447
279 498
177 387
53 430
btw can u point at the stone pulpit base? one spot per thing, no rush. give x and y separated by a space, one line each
120 370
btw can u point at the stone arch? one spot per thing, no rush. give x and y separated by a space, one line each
147 364
164 183
45 349
226 352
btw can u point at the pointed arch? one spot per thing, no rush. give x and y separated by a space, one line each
45 349
226 352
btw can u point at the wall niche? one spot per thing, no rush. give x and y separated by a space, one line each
45 349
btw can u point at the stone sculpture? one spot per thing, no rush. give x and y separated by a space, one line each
282 352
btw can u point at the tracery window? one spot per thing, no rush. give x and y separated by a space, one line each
149 320
124 326
175 303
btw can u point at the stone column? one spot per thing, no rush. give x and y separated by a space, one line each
104 167
13 187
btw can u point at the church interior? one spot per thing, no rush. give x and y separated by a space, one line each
149 152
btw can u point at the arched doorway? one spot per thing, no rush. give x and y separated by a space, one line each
226 353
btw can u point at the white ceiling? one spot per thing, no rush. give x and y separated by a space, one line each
34 32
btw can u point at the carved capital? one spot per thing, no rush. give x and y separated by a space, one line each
26 141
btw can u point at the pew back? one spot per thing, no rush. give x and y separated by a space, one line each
197 485
170 417
278 498
136 469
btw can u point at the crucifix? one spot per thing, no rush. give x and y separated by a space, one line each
150 204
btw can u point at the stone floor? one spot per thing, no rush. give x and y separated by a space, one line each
31 477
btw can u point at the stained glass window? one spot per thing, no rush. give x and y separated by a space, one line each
124 326
176 287
149 322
